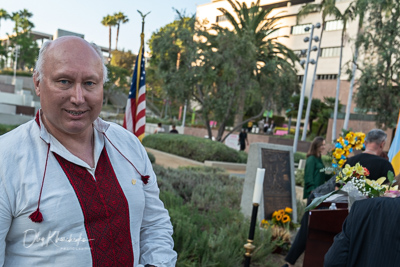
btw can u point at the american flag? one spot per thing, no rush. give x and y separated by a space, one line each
135 111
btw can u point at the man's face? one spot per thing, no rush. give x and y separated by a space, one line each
71 87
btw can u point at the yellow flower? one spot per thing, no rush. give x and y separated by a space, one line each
274 214
341 162
381 180
351 138
338 153
282 212
286 218
347 170
358 145
359 169
288 210
278 217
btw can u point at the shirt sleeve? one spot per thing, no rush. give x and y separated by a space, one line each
5 219
156 243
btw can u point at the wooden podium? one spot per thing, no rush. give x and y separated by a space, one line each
323 226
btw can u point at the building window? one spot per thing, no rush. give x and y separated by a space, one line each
330 52
301 53
299 29
300 78
221 18
327 77
334 25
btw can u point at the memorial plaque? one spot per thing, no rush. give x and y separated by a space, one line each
277 185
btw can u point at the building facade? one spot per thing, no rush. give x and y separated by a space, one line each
292 33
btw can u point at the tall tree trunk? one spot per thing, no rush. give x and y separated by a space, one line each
109 44
116 39
241 102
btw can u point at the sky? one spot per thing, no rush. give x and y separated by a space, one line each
84 17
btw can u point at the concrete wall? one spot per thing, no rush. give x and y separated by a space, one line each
14 119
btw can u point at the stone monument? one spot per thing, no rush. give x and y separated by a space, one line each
279 182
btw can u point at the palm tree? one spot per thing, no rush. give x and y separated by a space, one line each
3 15
109 21
120 18
253 23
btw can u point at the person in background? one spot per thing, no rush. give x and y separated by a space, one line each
159 128
174 130
249 126
243 139
266 125
271 127
261 126
76 190
373 158
314 172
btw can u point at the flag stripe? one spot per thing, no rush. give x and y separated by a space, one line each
135 111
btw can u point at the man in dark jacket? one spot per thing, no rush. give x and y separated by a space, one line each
369 237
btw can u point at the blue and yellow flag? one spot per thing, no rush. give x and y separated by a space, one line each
394 151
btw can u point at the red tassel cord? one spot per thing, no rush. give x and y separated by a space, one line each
37 216
145 178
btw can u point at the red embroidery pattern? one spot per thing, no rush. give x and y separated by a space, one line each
105 210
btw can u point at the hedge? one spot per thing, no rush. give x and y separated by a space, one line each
195 148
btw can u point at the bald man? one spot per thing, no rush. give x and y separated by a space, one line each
76 190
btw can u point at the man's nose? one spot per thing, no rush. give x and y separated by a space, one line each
77 96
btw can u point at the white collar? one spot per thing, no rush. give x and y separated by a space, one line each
99 126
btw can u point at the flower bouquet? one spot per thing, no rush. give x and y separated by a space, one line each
345 145
354 181
280 226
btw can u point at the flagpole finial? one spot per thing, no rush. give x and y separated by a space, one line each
143 16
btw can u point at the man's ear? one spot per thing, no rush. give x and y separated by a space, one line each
36 82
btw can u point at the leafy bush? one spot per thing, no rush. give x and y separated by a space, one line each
18 73
209 229
195 148
151 157
299 177
299 155
6 128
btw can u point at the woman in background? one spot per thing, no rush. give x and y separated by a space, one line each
314 172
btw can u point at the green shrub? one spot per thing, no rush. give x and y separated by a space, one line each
152 158
209 229
6 128
195 148
299 155
299 177
18 73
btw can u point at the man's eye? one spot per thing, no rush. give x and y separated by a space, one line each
63 81
89 83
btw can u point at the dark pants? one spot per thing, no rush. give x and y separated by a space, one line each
299 243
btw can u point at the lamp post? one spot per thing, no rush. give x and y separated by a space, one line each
303 87
258 186
16 53
314 48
